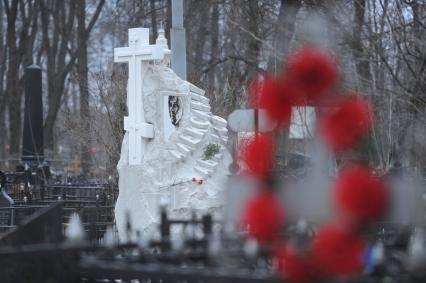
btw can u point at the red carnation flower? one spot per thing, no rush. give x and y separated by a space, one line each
293 266
344 125
194 179
264 216
360 195
314 72
200 182
276 98
338 253
258 154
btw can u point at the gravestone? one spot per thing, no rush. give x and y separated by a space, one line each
250 120
32 137
170 125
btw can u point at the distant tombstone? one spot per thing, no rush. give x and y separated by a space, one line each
5 199
32 140
303 121
2 180
250 120
42 227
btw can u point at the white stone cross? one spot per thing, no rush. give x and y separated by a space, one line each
137 56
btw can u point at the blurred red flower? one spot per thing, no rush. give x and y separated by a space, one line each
338 253
275 97
258 154
293 266
346 123
313 71
264 216
200 182
360 195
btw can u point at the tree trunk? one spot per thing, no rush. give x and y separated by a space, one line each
3 51
19 53
200 42
13 92
253 45
214 54
85 139
284 31
168 20
57 21
153 20
362 63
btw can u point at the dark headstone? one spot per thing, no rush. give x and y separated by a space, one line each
5 199
3 180
32 143
44 226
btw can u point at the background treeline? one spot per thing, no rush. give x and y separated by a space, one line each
380 44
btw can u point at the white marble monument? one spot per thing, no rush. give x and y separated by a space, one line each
168 127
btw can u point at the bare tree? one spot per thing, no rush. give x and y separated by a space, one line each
380 45
284 32
57 22
3 51
21 31
153 19
83 34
